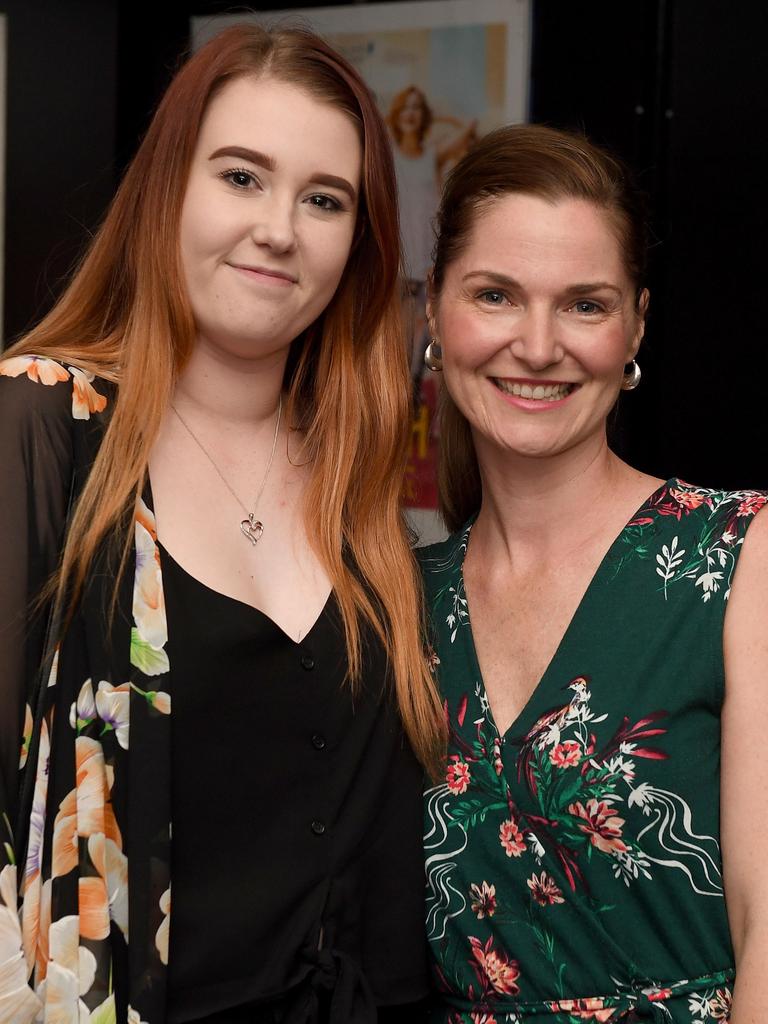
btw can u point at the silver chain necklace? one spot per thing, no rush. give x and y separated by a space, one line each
251 527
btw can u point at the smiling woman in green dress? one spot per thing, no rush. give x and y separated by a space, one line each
606 711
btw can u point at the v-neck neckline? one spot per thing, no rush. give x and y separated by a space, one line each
573 622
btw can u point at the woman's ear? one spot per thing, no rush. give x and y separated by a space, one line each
430 307
642 312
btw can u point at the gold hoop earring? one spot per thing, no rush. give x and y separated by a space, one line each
631 377
433 356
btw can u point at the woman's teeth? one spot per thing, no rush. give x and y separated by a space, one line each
537 392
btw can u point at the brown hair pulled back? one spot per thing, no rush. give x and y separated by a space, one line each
550 164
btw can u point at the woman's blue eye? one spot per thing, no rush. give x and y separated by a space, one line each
493 298
322 202
586 306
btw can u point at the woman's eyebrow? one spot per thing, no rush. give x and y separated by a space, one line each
496 278
253 156
332 181
592 286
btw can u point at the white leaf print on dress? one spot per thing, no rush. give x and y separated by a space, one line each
697 856
444 900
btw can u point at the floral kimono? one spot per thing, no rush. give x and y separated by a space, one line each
86 809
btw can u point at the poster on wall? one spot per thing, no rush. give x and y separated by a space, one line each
444 73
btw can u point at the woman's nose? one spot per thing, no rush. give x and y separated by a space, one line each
536 340
273 225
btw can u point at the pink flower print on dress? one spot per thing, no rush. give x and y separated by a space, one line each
544 890
495 968
584 1009
601 825
498 765
511 838
458 776
483 898
689 500
720 1005
565 754
751 505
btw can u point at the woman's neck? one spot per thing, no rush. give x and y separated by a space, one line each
236 392
411 143
555 504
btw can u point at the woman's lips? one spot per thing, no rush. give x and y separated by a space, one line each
265 274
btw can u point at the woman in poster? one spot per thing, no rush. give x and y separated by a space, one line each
420 165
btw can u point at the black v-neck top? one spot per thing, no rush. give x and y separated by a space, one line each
296 834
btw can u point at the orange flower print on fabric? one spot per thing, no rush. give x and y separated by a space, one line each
601 823
482 1018
566 754
150 633
37 368
34 921
17 1002
496 968
457 776
161 938
544 890
160 701
85 398
483 899
94 908
511 838
71 973
84 810
112 866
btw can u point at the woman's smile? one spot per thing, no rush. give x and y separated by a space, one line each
536 395
265 275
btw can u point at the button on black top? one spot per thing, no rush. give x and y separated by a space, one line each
318 741
318 828
307 662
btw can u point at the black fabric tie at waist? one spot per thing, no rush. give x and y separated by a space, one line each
335 992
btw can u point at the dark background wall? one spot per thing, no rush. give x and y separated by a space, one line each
677 88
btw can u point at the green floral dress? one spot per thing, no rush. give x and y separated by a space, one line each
573 864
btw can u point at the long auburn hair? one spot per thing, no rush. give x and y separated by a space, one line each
534 160
125 316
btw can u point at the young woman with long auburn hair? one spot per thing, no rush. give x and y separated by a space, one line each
202 449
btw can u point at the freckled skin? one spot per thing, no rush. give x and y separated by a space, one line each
512 308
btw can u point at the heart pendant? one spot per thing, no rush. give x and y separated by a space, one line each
252 528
